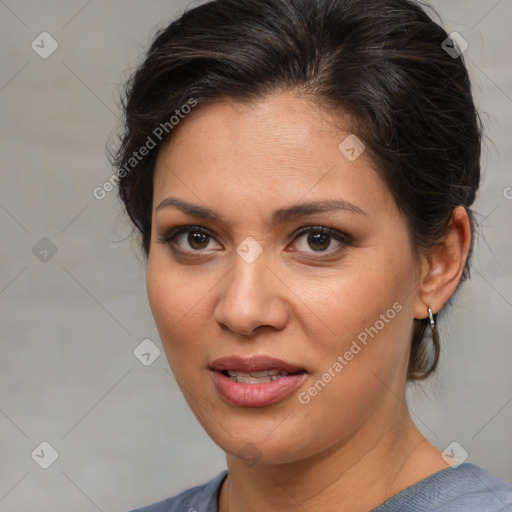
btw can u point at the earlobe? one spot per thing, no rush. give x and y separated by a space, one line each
445 265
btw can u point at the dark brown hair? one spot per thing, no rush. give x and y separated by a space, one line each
382 62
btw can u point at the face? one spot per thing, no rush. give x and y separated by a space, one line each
272 251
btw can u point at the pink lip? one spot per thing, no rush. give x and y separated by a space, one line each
253 364
255 395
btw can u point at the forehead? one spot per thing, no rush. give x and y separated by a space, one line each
277 150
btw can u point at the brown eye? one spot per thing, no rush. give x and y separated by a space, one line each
197 240
187 239
320 239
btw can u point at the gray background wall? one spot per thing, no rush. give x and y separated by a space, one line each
70 321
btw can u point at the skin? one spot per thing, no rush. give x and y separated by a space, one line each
295 303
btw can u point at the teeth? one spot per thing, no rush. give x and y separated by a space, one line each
247 379
256 377
264 373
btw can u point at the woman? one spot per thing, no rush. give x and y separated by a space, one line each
301 174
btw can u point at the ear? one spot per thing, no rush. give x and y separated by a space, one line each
442 270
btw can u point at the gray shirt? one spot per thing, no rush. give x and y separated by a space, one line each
466 488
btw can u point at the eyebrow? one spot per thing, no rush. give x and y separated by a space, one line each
280 216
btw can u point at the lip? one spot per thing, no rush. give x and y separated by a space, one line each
253 364
255 395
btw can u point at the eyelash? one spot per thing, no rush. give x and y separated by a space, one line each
168 237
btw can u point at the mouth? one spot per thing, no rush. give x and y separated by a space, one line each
257 377
257 381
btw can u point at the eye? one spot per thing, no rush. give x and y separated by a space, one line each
196 237
320 239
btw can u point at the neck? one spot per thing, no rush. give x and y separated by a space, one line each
385 460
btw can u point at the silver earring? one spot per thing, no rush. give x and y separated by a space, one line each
431 318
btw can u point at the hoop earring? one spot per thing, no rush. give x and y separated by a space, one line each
435 340
431 318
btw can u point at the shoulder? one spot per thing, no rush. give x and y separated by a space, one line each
477 489
202 498
464 488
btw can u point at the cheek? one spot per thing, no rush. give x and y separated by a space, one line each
363 352
346 303
366 308
177 303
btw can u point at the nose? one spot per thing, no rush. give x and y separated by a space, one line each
251 296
